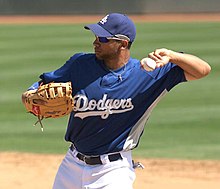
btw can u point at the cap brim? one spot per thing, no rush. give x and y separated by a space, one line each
98 30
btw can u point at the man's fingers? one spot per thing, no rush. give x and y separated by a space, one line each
157 53
160 56
153 56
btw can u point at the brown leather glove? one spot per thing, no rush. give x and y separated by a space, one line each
52 100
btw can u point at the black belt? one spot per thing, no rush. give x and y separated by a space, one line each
95 160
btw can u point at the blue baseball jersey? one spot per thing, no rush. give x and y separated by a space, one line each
111 108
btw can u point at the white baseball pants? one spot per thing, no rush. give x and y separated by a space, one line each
76 174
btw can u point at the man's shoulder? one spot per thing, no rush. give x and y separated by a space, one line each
82 56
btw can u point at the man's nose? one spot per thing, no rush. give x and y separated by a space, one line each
96 41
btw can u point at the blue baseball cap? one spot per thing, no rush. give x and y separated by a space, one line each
114 25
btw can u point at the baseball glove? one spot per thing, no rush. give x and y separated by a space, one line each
52 100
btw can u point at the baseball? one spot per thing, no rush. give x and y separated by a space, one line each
148 64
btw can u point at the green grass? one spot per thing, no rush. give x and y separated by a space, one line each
184 125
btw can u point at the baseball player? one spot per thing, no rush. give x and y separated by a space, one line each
113 97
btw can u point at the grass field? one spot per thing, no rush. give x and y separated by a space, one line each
185 124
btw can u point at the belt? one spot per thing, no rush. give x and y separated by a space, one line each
95 160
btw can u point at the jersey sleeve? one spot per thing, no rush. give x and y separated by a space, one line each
34 86
169 75
176 75
63 74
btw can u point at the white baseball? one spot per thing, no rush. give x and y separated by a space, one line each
148 64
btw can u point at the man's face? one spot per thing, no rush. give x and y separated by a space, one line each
106 48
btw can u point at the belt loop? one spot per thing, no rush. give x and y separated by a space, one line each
73 150
104 159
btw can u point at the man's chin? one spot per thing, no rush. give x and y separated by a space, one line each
98 56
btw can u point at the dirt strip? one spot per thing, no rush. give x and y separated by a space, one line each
57 19
37 171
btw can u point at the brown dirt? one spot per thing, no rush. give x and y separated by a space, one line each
35 19
37 171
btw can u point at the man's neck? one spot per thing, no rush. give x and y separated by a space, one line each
117 62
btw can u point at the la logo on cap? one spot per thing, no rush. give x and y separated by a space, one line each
114 24
104 20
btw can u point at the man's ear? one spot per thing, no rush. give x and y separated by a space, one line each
124 44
